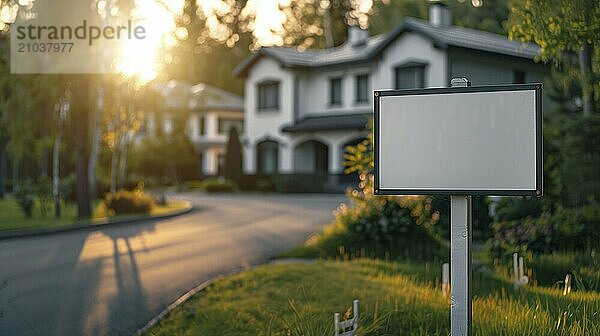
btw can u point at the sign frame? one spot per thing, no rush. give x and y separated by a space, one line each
536 87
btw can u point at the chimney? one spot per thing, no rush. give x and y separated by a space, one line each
440 14
357 36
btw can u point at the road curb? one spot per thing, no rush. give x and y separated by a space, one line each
201 287
93 226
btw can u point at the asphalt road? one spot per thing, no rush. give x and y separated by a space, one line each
113 280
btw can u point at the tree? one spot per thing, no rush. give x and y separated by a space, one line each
233 157
80 107
4 96
563 27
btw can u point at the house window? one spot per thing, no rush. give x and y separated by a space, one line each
362 88
335 91
411 76
518 77
268 95
226 124
201 125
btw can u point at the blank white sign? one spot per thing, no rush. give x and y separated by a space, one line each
468 142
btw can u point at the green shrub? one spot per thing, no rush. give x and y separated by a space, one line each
43 192
512 208
385 228
264 185
129 202
193 185
550 269
25 201
215 185
564 230
580 154
377 226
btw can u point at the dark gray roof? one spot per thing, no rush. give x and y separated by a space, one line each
442 36
206 97
474 39
354 121
180 94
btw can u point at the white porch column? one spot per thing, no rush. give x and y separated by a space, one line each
286 153
335 157
210 162
212 124
249 158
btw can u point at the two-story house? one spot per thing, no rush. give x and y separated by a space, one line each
302 108
210 112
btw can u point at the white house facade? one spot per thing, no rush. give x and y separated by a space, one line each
211 113
302 108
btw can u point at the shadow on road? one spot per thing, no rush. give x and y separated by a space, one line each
128 305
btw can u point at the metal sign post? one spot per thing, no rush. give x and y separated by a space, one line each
460 265
487 138
460 256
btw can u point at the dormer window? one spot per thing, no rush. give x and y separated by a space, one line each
410 75
268 95
335 91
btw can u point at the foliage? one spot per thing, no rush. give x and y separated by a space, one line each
192 185
580 168
550 269
233 157
557 26
564 230
395 299
30 193
129 202
25 200
567 216
13 218
264 185
561 28
380 228
482 15
166 159
43 191
216 185
513 208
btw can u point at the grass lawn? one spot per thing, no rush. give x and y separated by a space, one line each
395 299
12 218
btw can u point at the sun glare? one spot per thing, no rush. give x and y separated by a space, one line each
268 25
266 18
141 59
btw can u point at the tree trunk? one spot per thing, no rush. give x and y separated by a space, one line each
15 174
56 172
44 153
3 168
123 159
585 68
327 28
115 153
125 138
80 111
96 139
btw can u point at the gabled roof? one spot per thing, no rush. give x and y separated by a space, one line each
180 94
207 97
353 121
442 36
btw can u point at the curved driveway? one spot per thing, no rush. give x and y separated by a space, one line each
111 281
